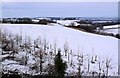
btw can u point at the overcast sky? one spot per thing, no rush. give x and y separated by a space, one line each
60 9
60 0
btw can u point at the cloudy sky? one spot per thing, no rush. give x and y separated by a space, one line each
60 9
60 0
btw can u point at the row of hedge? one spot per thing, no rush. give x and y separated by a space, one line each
27 21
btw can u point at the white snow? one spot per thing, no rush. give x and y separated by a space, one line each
6 62
10 65
18 68
114 31
111 26
92 44
101 21
30 61
3 56
67 22
111 29
35 20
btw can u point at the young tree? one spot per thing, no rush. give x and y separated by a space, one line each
66 50
50 69
41 60
55 46
108 66
100 66
60 66
80 64
88 64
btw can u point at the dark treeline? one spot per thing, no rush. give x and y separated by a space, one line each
97 24
26 21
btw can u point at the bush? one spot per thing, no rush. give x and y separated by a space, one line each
60 66
88 28
118 36
84 22
69 18
45 21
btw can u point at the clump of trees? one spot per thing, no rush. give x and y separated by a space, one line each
17 20
84 22
26 20
45 21
69 18
88 28
118 36
105 23
49 60
84 25
23 20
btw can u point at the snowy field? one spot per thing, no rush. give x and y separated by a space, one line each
111 26
112 29
67 22
104 47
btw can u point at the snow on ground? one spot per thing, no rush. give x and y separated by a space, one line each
67 22
6 62
111 29
87 43
101 21
54 24
111 26
3 56
10 65
31 58
14 66
114 31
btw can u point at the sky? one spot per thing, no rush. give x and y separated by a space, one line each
59 9
60 0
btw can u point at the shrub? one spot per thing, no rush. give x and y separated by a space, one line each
60 66
88 28
118 36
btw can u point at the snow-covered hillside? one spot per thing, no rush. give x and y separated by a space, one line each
111 26
111 29
67 22
114 31
78 42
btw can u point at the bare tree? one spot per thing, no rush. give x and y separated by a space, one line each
71 61
34 45
100 65
80 63
55 47
41 60
108 65
27 44
88 64
17 39
66 48
45 44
